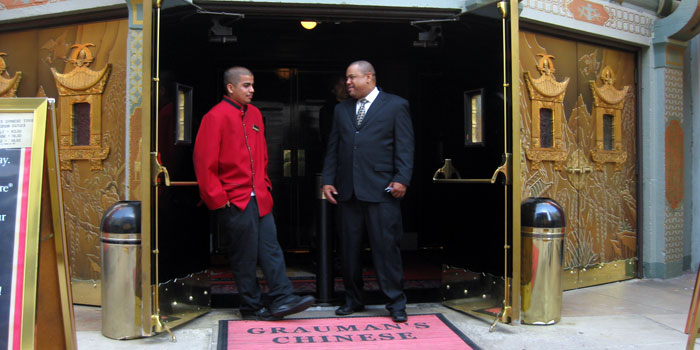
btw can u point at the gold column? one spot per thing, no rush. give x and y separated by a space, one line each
516 146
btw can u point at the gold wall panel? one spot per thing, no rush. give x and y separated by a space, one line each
87 192
613 271
599 198
86 292
569 279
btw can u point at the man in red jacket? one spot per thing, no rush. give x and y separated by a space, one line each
230 161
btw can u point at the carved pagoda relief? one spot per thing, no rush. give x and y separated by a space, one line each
80 110
546 113
8 86
608 103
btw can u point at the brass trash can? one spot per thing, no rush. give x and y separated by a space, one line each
120 245
543 226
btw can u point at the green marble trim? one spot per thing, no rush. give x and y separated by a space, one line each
663 270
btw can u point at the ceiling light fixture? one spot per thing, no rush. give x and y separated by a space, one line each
309 24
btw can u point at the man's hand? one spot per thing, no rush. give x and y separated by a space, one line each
228 204
398 189
329 191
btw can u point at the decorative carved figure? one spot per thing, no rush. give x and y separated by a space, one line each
8 86
608 101
80 94
546 95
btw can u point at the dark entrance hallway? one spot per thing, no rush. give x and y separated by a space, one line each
295 69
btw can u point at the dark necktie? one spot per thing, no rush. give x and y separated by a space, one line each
361 111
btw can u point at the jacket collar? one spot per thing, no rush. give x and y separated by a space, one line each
235 104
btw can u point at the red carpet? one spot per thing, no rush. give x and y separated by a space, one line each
431 331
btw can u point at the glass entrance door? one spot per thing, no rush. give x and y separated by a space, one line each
182 222
471 187
293 103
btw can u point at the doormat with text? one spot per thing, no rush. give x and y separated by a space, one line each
432 331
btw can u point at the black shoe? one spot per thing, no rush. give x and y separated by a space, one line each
348 309
293 305
398 315
262 314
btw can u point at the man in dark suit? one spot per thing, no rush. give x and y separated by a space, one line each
368 166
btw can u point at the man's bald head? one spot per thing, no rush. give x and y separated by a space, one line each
365 68
360 79
239 84
233 75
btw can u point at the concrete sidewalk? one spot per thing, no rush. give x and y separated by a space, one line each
635 314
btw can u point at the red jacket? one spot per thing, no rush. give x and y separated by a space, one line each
230 157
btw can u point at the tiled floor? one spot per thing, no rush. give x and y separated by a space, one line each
636 314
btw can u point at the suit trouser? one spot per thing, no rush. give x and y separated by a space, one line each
384 228
252 239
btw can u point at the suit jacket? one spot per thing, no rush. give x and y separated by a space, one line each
364 160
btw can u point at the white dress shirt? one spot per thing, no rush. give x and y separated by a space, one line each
370 98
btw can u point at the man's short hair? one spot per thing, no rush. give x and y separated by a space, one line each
233 75
364 66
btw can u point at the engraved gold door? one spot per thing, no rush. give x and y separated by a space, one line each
578 123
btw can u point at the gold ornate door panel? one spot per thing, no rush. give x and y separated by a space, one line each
596 184
90 88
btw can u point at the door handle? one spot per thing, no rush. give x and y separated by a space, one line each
447 170
157 169
287 163
448 174
183 183
504 169
581 170
301 162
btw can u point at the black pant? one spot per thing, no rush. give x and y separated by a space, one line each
384 228
253 239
